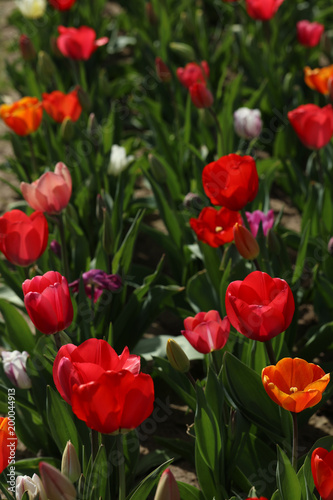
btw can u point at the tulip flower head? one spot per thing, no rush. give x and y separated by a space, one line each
215 227
262 10
105 390
60 106
319 79
201 96
312 124
32 485
177 357
14 365
119 160
231 182
260 307
255 218
51 192
62 4
8 442
295 384
247 123
56 484
309 34
27 48
193 73
95 281
32 9
23 116
322 472
48 302
206 332
79 43
23 238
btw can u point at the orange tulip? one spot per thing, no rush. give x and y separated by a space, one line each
295 384
23 116
8 443
60 106
319 79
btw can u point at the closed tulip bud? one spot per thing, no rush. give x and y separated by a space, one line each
70 465
245 243
55 247
45 66
56 485
67 130
201 96
107 232
162 70
27 48
167 488
330 246
84 98
182 49
14 365
157 168
177 357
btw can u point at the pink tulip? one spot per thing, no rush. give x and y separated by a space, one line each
258 216
206 332
51 192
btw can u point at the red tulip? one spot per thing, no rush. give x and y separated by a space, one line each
27 48
162 70
312 124
48 302
51 192
78 43
231 182
8 443
207 332
23 238
260 307
60 106
322 472
295 384
201 96
215 227
62 4
309 34
262 10
193 73
105 390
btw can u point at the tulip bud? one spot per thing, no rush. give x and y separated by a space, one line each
157 168
245 243
167 488
70 465
84 98
107 232
183 50
177 357
45 66
14 365
27 48
151 14
67 130
56 485
94 130
100 206
201 96
193 200
55 247
33 487
162 70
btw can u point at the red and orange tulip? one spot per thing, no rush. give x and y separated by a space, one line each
319 79
295 384
23 116
8 443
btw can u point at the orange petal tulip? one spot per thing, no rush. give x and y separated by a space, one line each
319 79
51 192
23 116
8 443
295 384
60 106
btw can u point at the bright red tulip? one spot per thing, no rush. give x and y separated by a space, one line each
105 390
23 238
48 302
260 307
78 43
231 182
309 34
193 73
60 106
51 192
322 472
295 384
8 443
62 4
262 10
215 227
201 96
312 124
207 332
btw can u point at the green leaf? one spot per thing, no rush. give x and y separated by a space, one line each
148 483
207 433
19 334
286 477
301 254
200 293
188 492
96 481
123 257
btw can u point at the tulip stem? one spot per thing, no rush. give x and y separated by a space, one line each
270 352
295 440
320 168
64 255
57 340
220 147
256 263
33 159
94 444
191 379
121 468
245 221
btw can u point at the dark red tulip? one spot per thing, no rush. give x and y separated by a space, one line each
201 96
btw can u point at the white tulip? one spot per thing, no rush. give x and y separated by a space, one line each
14 365
33 486
247 123
118 160
31 9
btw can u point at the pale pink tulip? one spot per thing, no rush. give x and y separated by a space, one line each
51 192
